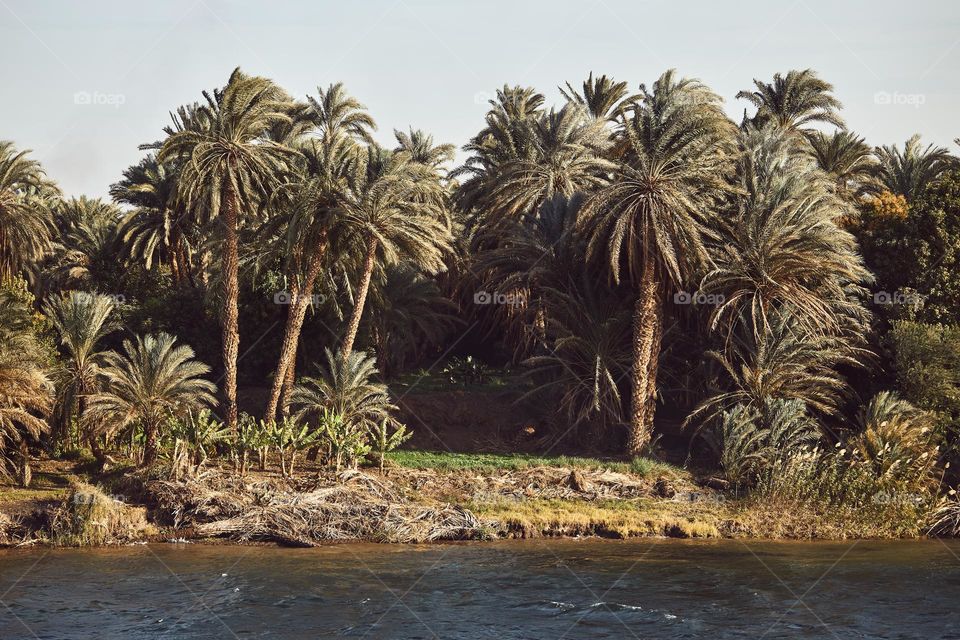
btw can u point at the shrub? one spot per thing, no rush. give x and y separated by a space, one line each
383 441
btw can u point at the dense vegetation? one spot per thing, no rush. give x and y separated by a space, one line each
779 292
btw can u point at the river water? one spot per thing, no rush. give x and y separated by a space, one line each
547 589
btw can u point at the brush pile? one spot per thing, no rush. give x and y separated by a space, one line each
348 506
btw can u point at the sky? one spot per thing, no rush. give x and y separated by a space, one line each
83 83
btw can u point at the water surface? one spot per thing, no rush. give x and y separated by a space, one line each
532 589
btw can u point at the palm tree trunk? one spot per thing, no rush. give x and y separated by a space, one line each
647 333
230 319
354 325
150 444
288 388
291 334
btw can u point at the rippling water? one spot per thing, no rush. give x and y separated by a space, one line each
531 589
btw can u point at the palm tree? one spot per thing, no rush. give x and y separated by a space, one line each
382 211
909 172
602 97
85 253
504 139
26 223
649 220
785 361
153 379
342 124
347 388
793 101
82 320
158 224
564 155
846 158
229 169
782 244
26 394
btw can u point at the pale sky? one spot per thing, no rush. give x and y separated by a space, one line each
433 64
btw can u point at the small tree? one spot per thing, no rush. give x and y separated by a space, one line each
346 441
195 437
383 441
290 438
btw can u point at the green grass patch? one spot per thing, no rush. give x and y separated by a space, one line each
445 461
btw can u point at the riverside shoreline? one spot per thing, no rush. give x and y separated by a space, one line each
406 505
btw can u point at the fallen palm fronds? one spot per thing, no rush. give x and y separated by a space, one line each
350 506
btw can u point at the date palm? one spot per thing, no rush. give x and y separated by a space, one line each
385 215
909 172
157 226
565 154
229 168
85 252
82 320
794 101
26 223
342 124
346 387
26 393
649 221
846 158
782 245
153 379
504 139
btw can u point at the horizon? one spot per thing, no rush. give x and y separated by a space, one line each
85 120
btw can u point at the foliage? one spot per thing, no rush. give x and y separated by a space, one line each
347 441
152 379
466 371
383 441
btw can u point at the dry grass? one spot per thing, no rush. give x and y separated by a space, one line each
607 518
89 517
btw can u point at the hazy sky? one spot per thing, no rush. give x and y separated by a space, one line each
83 83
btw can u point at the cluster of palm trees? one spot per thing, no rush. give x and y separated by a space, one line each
594 218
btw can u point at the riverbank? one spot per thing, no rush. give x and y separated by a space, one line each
420 497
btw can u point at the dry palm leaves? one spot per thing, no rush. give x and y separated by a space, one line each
354 507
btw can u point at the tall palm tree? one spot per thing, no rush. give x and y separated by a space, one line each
342 124
26 223
385 216
648 221
846 158
82 320
909 172
793 101
26 393
153 379
229 169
